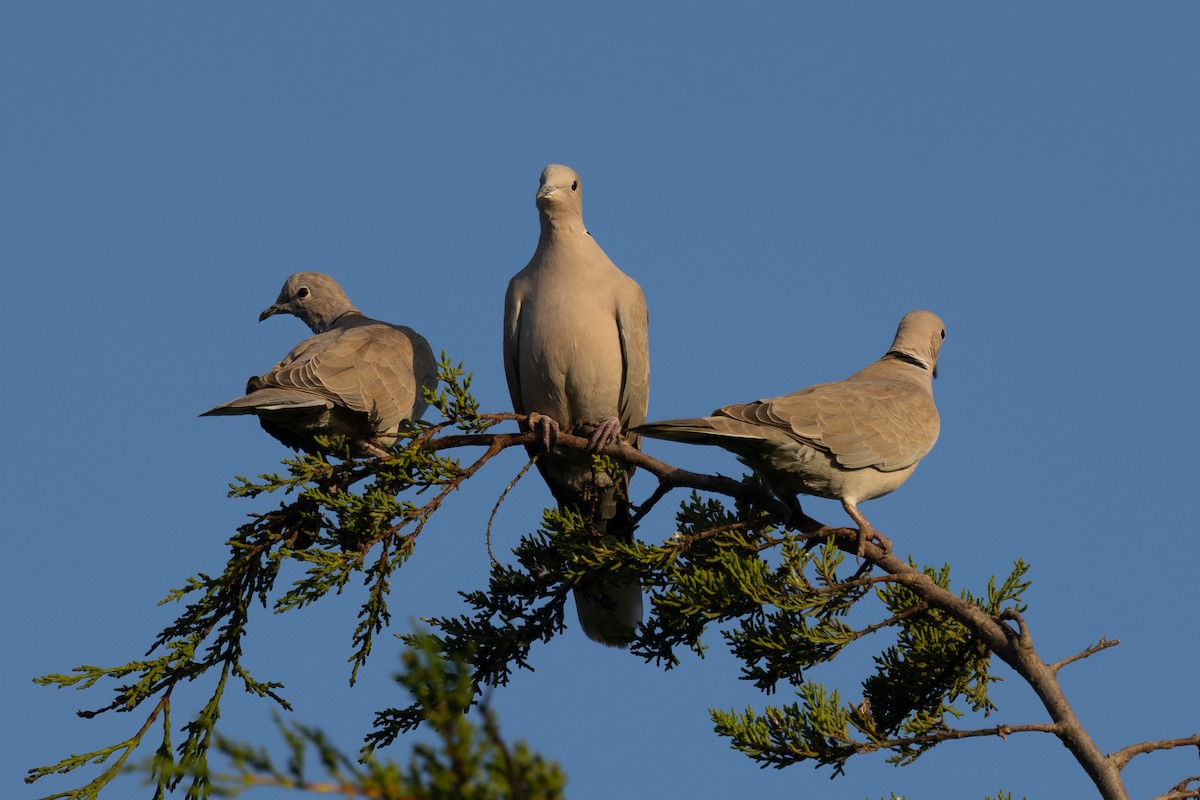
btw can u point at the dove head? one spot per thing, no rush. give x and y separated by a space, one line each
919 340
560 196
314 297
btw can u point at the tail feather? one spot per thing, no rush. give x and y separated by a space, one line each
268 399
696 430
736 435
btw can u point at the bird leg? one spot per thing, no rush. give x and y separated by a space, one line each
866 531
797 519
605 434
546 429
788 505
373 447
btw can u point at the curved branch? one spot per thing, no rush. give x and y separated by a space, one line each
1011 614
1126 754
499 502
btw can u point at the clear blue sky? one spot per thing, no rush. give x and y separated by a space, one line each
784 181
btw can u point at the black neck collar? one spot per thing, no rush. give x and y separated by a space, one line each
345 316
906 358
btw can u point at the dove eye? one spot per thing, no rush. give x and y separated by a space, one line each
303 292
574 185
943 334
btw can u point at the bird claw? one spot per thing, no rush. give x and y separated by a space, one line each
868 533
544 428
605 434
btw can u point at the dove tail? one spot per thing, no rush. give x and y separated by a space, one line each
242 405
611 611
697 430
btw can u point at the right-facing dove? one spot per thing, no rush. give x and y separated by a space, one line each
357 377
851 440
576 355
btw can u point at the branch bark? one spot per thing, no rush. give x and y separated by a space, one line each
1126 754
1002 731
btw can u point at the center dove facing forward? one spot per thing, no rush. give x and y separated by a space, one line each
576 356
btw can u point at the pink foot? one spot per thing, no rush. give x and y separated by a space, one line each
605 434
545 428
868 533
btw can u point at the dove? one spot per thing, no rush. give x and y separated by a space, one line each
576 356
357 377
851 440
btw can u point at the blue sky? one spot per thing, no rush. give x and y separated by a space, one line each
784 180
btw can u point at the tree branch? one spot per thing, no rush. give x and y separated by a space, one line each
670 476
1126 754
926 739
1014 647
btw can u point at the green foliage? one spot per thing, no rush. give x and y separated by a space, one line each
781 617
906 703
524 604
345 518
710 571
469 761
935 661
454 401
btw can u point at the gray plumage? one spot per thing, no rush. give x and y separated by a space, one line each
851 440
576 353
357 377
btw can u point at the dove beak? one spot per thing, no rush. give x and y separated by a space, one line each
270 312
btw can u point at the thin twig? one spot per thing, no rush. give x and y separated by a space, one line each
499 501
1180 791
1103 644
707 533
661 491
911 611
